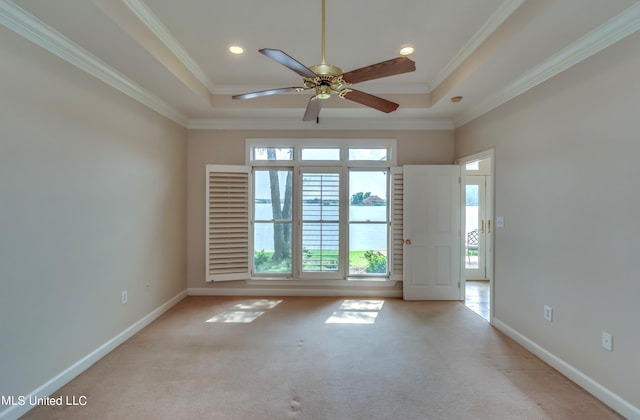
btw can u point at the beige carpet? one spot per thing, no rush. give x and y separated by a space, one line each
322 358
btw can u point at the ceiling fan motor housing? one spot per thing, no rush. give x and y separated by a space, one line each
326 70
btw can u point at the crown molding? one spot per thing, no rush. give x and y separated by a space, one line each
330 119
505 10
343 125
36 31
153 23
607 34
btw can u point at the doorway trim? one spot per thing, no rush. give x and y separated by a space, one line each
486 154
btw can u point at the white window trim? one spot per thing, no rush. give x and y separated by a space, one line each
297 144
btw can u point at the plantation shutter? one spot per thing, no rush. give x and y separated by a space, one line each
397 217
321 221
227 226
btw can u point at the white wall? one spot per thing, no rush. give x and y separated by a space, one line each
567 177
92 202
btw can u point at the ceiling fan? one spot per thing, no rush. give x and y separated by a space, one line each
323 79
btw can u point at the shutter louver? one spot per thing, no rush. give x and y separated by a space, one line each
228 242
397 224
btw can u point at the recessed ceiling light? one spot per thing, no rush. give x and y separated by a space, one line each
235 49
407 49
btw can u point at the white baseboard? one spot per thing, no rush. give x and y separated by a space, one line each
64 377
613 400
314 292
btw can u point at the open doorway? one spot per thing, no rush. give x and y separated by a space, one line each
477 180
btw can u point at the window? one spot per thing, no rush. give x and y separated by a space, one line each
320 221
272 153
368 154
368 222
317 210
320 153
473 166
272 209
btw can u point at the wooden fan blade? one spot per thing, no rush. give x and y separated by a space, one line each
387 68
266 93
313 109
288 61
371 101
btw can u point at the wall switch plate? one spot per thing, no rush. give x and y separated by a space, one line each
548 313
607 341
124 297
500 221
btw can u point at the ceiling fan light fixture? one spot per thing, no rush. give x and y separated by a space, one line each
323 92
236 49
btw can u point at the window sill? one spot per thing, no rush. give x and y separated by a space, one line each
350 282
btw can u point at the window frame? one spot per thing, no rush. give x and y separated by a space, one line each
343 144
344 165
387 221
254 221
340 272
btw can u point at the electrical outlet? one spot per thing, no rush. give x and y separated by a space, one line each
607 341
548 313
124 297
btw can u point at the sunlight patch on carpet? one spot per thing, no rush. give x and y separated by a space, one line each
356 311
361 305
257 304
352 317
236 317
245 312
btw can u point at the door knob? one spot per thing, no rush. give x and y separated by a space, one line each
408 242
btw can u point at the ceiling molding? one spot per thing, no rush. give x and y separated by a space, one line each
607 34
343 125
330 119
505 10
127 20
153 23
32 29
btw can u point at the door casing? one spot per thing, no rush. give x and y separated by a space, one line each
490 244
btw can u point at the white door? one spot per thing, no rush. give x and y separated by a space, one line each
432 232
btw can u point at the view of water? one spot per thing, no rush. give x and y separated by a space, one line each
362 236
